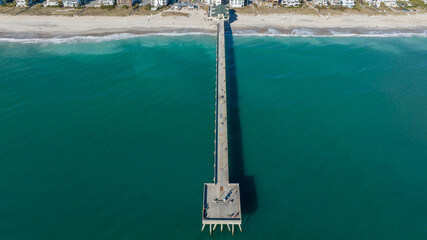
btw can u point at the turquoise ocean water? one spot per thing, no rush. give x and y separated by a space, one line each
114 139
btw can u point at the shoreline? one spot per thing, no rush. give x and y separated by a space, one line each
30 27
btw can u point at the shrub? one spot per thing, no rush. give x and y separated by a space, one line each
11 4
109 7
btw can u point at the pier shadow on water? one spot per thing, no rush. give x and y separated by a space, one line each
248 193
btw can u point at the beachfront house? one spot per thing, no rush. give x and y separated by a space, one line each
291 3
72 3
213 2
159 3
51 3
125 3
23 3
390 3
100 3
348 3
377 3
371 2
334 2
237 3
320 2
271 3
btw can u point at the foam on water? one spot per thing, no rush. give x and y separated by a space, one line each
271 32
306 32
83 39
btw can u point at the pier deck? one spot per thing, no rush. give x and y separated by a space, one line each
221 199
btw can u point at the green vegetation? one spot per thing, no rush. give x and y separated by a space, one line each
8 3
341 8
109 7
253 9
417 3
178 14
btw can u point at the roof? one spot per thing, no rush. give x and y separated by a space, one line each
220 10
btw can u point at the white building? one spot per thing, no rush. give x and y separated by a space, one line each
237 3
377 3
100 3
390 3
371 2
291 3
335 2
72 3
23 3
320 2
51 3
348 3
214 2
159 3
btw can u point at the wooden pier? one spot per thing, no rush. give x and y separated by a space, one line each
221 199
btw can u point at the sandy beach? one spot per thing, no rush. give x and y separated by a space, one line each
48 26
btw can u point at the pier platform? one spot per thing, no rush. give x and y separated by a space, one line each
222 209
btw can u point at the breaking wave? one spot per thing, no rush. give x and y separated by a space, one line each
271 32
83 39
305 32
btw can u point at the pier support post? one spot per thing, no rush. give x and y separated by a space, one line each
240 226
203 227
214 227
228 225
221 227
210 229
232 229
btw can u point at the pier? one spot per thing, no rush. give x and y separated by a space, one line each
221 199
